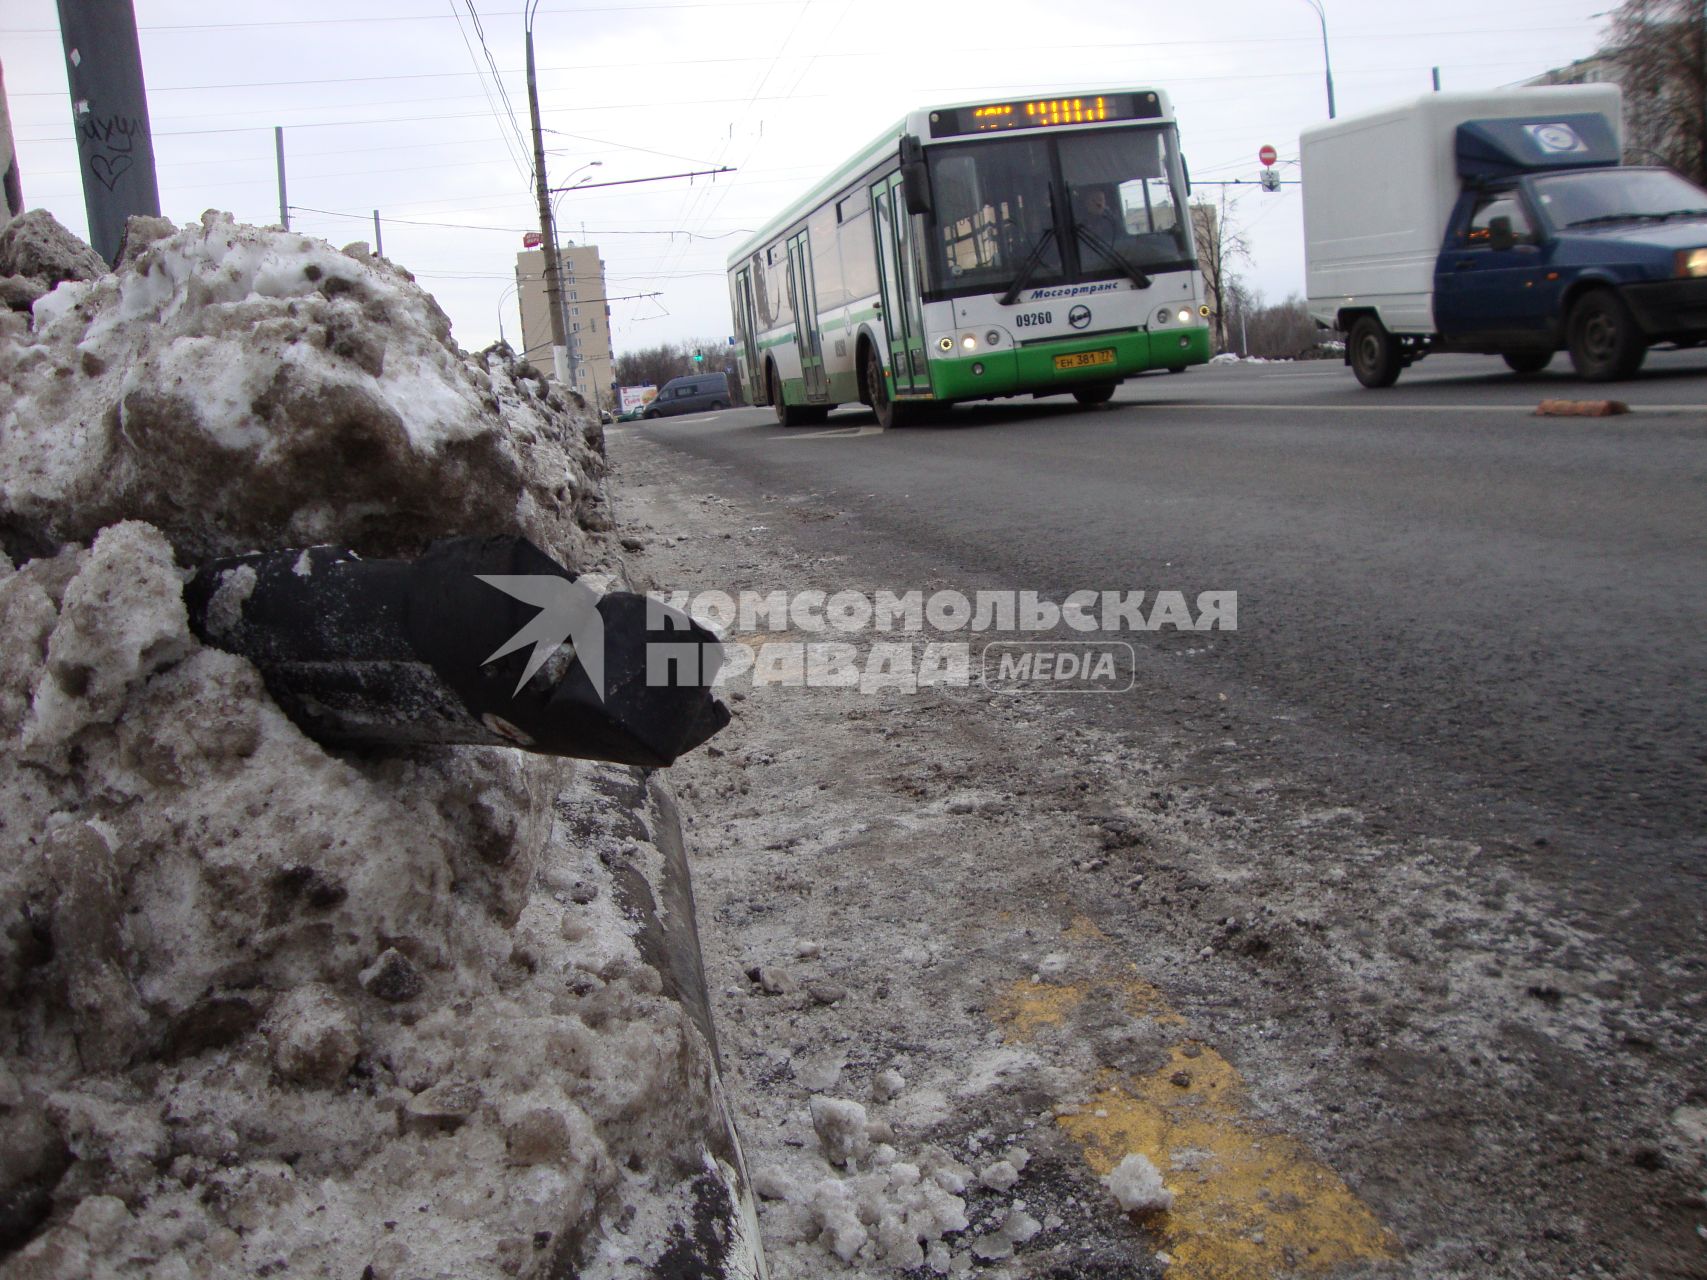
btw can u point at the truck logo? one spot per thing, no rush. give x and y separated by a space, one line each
1555 139
1079 317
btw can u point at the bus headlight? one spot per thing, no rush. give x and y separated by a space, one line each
969 342
1185 315
1204 311
1163 316
945 344
993 338
1692 262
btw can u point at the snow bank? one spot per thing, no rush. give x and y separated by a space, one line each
239 386
267 1009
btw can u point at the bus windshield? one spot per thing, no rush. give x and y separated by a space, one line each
1060 208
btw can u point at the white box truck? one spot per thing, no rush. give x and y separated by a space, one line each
1502 223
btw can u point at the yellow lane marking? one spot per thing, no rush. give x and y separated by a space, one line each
1249 1203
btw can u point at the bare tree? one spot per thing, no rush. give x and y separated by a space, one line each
1219 246
654 366
1659 49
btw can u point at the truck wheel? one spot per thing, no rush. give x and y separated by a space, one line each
1605 343
1101 393
1528 361
1374 353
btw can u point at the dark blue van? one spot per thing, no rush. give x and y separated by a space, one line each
692 394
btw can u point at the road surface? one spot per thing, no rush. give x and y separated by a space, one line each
1462 622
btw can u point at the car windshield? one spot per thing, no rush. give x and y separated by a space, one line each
1003 207
1615 195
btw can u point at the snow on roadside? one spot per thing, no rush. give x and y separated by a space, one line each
266 1008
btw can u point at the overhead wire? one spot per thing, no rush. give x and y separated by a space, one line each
691 204
497 76
523 169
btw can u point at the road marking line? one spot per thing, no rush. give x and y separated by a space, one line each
1249 1202
836 433
1529 409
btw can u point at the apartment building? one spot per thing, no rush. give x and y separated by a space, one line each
586 317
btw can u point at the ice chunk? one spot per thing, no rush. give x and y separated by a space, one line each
840 1125
1137 1185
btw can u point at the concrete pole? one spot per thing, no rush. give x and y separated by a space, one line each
284 201
11 186
378 243
548 233
109 112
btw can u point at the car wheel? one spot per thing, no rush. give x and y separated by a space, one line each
1374 353
1528 361
1101 393
717 404
1605 343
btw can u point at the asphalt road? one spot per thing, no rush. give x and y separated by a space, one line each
1470 620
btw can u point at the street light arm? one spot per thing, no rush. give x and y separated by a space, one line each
1327 63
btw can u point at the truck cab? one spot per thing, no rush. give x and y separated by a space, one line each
1500 223
1599 262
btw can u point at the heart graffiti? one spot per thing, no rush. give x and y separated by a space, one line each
108 171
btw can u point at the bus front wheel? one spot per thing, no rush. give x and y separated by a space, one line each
888 413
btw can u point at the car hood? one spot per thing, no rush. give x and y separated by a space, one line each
1688 233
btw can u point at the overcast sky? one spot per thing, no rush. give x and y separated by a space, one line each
383 108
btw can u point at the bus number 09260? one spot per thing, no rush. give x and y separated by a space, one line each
1028 318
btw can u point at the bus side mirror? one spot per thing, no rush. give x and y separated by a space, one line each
1500 234
915 180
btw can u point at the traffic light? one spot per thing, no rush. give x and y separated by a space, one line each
699 357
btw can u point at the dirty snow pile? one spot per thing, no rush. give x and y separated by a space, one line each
240 387
266 1009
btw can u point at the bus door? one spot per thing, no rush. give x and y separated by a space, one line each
746 322
805 293
902 319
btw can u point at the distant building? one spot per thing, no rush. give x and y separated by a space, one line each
586 317
1602 68
1665 116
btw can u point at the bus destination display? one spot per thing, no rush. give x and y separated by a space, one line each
999 117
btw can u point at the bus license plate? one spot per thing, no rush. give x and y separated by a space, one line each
1084 359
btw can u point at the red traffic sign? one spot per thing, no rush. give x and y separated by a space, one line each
1268 155
532 239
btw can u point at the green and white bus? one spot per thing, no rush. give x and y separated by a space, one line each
989 249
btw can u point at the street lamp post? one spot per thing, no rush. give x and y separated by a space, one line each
507 292
562 303
1327 65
